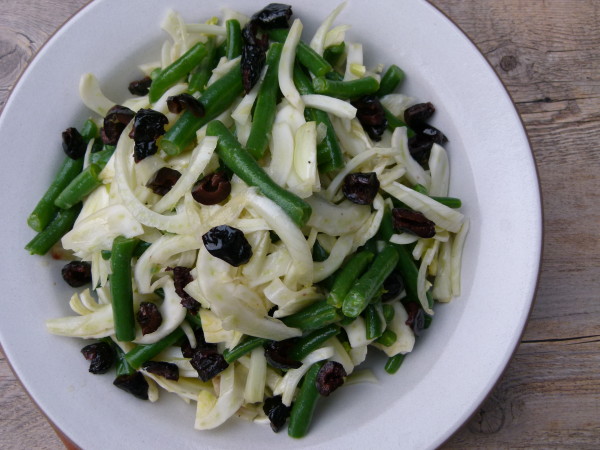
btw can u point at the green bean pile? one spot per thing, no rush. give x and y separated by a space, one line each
330 275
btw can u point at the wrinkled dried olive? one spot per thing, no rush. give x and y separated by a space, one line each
163 180
371 115
77 273
186 348
330 377
416 317
148 126
393 286
115 122
73 143
413 221
149 317
208 363
140 87
277 354
100 355
254 53
276 411
416 115
212 189
361 188
274 15
182 277
229 244
177 103
167 370
135 384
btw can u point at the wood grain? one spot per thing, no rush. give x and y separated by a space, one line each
547 52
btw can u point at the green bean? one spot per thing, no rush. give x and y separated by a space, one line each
373 322
450 202
394 122
60 225
369 284
346 277
393 363
329 153
334 53
121 289
216 98
234 39
312 341
82 185
45 210
406 263
103 156
388 312
303 407
319 254
89 130
155 73
241 349
346 89
305 55
265 107
245 166
313 317
142 353
387 338
138 251
176 71
420 189
199 77
122 367
390 80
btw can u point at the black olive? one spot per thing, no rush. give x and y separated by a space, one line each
416 317
163 180
208 363
140 87
276 411
77 273
186 348
393 286
416 115
135 384
371 115
330 377
73 143
177 103
101 356
361 188
254 54
277 354
274 15
212 189
143 149
229 244
182 277
149 317
413 221
148 126
115 122
167 370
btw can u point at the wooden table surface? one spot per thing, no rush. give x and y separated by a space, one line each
547 52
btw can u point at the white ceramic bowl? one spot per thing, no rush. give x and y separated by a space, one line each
453 366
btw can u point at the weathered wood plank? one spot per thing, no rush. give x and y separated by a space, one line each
547 52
